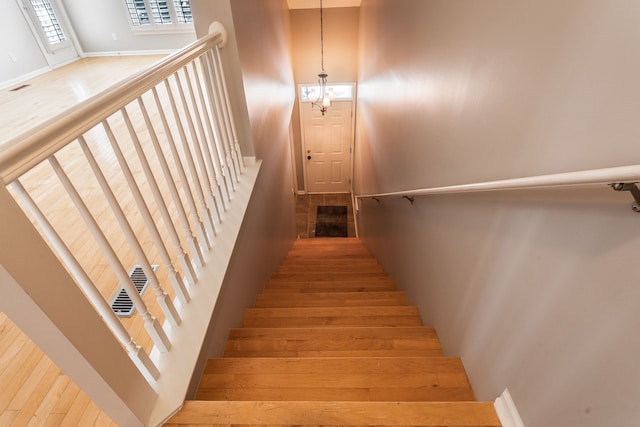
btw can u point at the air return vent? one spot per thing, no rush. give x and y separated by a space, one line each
15 89
121 304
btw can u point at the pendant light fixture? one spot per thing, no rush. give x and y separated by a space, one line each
325 96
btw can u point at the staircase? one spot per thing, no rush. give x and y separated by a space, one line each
332 342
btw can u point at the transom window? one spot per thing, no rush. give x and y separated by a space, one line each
160 15
339 92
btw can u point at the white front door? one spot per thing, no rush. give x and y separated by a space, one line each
326 142
48 22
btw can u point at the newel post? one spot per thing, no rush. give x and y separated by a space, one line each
43 300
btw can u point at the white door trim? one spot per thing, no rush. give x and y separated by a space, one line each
352 137
63 18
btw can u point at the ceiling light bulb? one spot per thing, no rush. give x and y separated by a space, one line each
326 101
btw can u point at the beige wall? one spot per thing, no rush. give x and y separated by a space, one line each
550 86
535 290
340 55
260 31
340 44
16 38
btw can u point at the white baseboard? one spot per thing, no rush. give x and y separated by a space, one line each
62 64
507 411
129 53
23 78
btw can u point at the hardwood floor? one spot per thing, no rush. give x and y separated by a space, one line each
33 390
51 93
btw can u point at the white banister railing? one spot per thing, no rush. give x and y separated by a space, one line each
587 177
148 171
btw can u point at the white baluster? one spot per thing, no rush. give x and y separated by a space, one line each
143 209
218 107
174 276
137 353
202 143
215 131
189 155
151 324
212 158
204 239
238 151
183 257
162 297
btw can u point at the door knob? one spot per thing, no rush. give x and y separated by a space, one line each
308 157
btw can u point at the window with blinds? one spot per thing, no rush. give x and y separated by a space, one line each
48 21
183 11
159 15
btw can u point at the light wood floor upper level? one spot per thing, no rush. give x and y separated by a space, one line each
49 94
33 390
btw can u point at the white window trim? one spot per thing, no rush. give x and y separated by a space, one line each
34 22
154 28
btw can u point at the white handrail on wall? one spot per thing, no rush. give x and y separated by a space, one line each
183 117
587 177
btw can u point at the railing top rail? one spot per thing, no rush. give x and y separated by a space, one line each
26 151
587 177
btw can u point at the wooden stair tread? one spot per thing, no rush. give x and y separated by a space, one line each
330 299
353 285
327 256
308 269
332 316
352 394
364 378
325 276
354 259
333 342
301 413
337 365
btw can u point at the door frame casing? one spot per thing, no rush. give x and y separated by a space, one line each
47 52
351 137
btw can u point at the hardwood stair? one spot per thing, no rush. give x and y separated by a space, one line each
332 342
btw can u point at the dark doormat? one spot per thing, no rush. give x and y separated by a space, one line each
331 221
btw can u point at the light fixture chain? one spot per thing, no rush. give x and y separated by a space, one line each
324 99
321 38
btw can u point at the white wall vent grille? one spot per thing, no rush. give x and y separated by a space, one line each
121 304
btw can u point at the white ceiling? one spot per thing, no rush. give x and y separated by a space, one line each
315 4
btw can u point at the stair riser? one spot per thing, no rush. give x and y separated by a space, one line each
320 287
327 276
295 322
261 352
333 299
